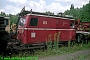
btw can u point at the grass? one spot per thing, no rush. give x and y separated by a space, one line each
62 50
53 52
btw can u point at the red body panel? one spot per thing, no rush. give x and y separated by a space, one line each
46 26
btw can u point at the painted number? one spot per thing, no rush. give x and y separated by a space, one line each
44 22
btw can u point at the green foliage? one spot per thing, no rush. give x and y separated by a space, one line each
82 13
48 12
55 44
49 42
69 42
13 18
2 14
63 50
72 7
56 40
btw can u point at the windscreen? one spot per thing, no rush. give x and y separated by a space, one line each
22 22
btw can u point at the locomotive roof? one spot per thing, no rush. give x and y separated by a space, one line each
24 12
53 16
1 17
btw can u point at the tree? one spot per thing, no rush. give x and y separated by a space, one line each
72 11
82 13
13 18
67 12
72 7
85 13
48 12
2 14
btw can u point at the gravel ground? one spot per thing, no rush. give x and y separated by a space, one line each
79 55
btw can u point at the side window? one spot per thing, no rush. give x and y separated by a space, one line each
72 25
6 22
34 22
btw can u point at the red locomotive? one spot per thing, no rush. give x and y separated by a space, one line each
35 27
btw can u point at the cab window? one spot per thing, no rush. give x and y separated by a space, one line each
34 22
